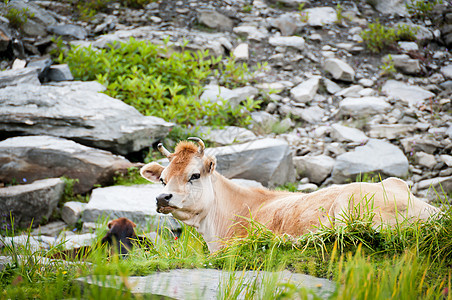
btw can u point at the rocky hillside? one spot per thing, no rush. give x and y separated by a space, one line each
346 89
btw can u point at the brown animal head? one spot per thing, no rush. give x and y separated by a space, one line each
120 234
187 179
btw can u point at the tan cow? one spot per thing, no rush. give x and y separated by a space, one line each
201 197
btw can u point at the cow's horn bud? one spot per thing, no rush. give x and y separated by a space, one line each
163 150
200 143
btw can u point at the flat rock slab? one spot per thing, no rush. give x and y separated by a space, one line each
376 156
37 157
18 77
268 161
136 202
31 203
227 135
364 106
203 283
410 94
70 111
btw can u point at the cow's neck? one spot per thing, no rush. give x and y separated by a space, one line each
230 201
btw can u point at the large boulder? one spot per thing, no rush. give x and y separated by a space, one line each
215 20
31 203
376 156
37 157
316 168
410 94
268 161
76 111
20 76
136 203
339 69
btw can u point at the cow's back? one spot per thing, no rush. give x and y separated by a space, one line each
390 201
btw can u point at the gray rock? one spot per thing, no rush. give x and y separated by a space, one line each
5 261
390 131
405 64
251 32
43 63
316 168
420 143
69 111
391 7
409 94
215 20
364 106
5 37
75 241
268 161
18 77
72 211
296 42
305 91
247 183
228 135
263 120
422 33
438 183
31 203
321 16
205 283
313 114
408 46
425 159
447 159
34 12
347 134
241 52
331 86
351 91
447 71
376 156
60 73
31 243
278 86
38 157
339 69
288 23
34 28
69 30
289 3
307 187
215 93
135 202
51 229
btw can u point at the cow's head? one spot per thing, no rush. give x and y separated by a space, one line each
187 180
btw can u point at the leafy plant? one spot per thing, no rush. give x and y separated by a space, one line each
421 9
247 8
17 17
136 3
388 67
379 37
161 82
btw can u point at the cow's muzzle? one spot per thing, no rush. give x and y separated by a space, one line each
163 202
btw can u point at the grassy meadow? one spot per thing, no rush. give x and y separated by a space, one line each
409 261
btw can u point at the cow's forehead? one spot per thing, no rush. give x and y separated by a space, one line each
181 159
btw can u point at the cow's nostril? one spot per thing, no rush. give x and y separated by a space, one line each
163 199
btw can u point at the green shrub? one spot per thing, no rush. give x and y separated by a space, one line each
161 82
388 67
421 9
17 17
136 3
86 9
379 37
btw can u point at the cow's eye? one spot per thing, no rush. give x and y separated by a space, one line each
195 176
162 181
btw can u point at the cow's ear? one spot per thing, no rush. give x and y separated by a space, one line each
110 224
152 171
209 164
